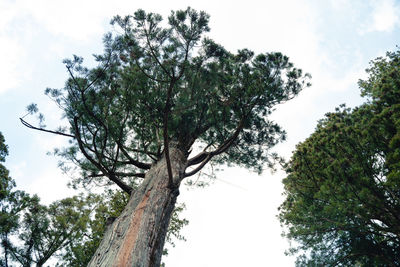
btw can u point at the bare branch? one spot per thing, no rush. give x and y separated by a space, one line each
138 164
148 153
26 124
166 145
204 157
198 158
120 174
111 176
203 163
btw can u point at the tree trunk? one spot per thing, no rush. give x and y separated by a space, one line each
136 238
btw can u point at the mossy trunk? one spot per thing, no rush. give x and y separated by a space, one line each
137 236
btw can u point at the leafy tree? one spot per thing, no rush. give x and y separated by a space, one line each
343 186
12 202
46 230
31 233
105 208
70 228
160 93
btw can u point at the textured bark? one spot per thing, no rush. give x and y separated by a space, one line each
136 238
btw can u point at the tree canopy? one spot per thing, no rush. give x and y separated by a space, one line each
31 233
342 191
165 83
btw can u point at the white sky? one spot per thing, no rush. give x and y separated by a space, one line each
232 222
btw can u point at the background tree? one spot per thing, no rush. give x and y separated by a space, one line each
11 203
71 228
31 233
343 186
161 92
44 231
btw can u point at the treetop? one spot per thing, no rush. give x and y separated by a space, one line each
159 83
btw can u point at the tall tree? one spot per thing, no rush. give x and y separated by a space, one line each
71 228
343 186
160 93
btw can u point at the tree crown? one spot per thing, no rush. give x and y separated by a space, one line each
342 186
160 84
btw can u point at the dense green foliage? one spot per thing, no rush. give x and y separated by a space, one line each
158 84
343 186
105 207
31 233
11 203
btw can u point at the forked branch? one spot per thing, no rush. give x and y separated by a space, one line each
204 157
104 170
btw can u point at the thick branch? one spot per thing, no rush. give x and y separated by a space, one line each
166 145
134 162
121 174
203 163
166 113
204 157
198 158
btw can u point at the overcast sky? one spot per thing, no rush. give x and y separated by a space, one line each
233 221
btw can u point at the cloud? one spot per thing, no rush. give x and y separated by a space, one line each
11 54
82 20
18 170
342 76
50 185
78 20
22 20
7 14
385 16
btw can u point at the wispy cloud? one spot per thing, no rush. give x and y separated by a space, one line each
77 20
11 54
52 178
385 16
